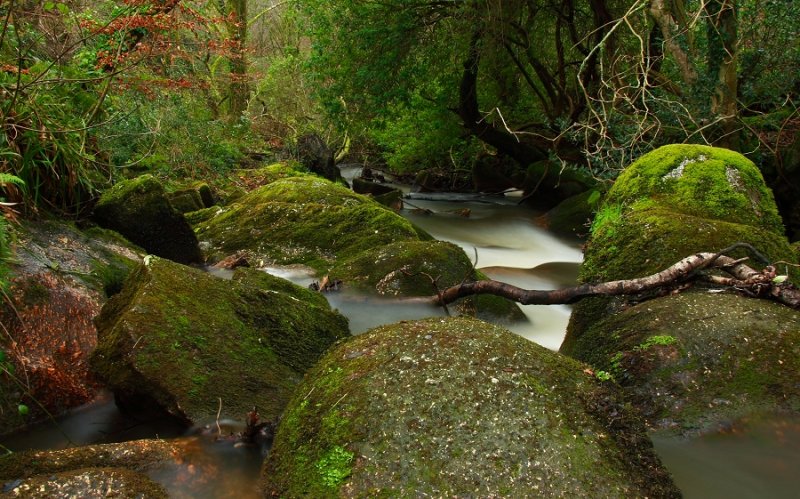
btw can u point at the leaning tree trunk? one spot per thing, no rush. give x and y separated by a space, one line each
505 142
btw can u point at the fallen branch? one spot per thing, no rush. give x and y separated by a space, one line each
743 278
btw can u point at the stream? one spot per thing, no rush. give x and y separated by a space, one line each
753 459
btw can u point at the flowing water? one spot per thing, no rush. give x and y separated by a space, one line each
755 459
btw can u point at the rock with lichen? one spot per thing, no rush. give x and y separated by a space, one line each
60 278
696 361
457 407
200 347
181 466
140 210
673 202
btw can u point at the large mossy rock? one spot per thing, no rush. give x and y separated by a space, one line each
672 203
457 407
697 361
88 483
183 340
140 210
305 220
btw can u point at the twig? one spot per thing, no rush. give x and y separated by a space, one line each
219 411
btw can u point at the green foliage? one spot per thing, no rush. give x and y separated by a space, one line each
661 340
603 376
6 179
416 135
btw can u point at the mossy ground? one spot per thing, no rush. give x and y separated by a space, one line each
457 407
185 339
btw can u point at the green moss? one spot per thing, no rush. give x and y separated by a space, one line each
647 240
139 210
701 181
335 466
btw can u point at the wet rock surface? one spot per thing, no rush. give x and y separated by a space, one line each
140 210
458 407
200 347
696 362
87 483
61 277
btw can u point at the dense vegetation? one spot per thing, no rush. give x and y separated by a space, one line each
97 89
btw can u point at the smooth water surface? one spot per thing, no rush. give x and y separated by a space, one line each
755 459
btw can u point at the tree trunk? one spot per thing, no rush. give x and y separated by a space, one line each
239 89
722 56
505 142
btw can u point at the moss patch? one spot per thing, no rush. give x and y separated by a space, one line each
139 210
702 181
184 339
457 407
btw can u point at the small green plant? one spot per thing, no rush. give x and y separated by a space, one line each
662 340
7 369
603 376
334 467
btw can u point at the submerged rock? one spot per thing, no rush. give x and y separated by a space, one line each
136 455
672 203
199 347
61 278
458 407
139 210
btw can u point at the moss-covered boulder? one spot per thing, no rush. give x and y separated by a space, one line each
573 215
140 210
88 482
702 181
183 340
457 407
61 278
697 361
672 203
407 268
305 220
138 455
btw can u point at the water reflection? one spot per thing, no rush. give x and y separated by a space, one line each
755 458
